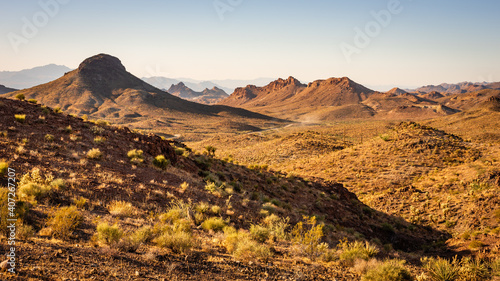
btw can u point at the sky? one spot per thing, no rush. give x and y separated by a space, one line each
378 43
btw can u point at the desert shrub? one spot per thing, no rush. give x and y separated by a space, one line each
473 269
4 167
277 226
161 162
20 210
242 246
214 223
216 210
45 110
390 270
99 139
80 202
132 241
20 117
218 189
135 156
259 233
57 109
308 237
68 130
64 221
121 209
49 138
24 231
58 184
94 153
179 151
351 251
20 97
210 150
97 130
184 186
249 249
33 101
202 207
33 186
177 210
178 242
108 234
441 269
101 123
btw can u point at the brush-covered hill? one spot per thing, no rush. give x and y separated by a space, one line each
207 96
292 99
102 88
448 181
101 202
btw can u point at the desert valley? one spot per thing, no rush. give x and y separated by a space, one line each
116 179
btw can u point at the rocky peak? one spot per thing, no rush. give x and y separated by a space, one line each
101 63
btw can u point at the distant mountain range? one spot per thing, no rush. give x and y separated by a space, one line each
102 88
32 77
207 96
459 88
228 85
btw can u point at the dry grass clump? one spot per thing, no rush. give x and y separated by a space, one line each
130 242
214 223
241 245
308 238
4 167
161 162
94 153
439 269
177 241
59 184
49 138
20 118
20 211
99 139
121 209
107 234
135 156
64 221
352 251
389 270
33 186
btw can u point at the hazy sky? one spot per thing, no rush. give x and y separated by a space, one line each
377 43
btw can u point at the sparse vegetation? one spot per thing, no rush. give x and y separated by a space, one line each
64 221
351 251
20 118
121 209
49 138
94 153
135 156
390 270
99 139
107 234
4 166
161 162
20 97
33 101
214 223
